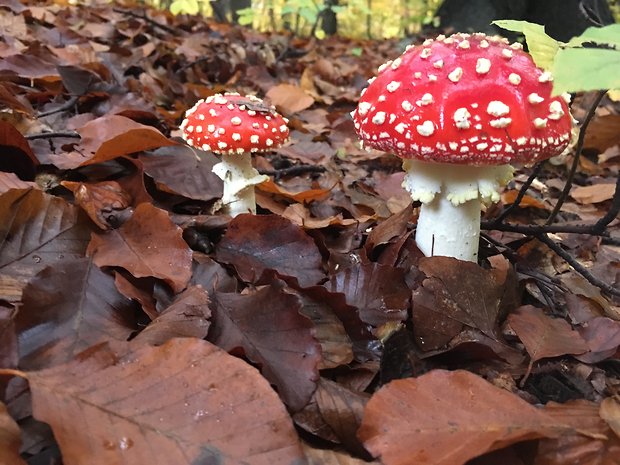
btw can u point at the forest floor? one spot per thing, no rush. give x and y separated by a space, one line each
138 325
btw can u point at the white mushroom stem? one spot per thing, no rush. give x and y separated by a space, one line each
452 196
239 178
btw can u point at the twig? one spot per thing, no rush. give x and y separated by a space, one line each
51 135
144 17
65 106
533 229
613 212
12 372
578 149
579 268
520 195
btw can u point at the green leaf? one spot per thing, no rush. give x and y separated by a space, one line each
578 69
357 51
608 35
308 14
189 7
542 47
338 9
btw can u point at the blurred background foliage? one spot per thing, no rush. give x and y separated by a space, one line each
377 19
350 18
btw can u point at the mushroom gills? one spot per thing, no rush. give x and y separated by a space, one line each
239 178
452 197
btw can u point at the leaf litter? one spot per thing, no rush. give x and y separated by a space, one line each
152 329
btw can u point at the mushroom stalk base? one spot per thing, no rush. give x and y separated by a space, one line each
239 178
452 196
448 230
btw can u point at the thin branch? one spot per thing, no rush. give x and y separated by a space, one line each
533 229
65 106
520 195
578 267
12 372
52 135
578 149
613 212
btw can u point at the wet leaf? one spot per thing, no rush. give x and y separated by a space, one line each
66 309
109 405
149 244
602 335
420 420
268 327
254 244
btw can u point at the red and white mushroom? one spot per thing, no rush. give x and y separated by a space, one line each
234 126
459 110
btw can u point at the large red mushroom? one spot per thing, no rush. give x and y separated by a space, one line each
235 126
459 110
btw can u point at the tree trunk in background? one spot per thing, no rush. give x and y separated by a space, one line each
220 8
236 5
369 20
329 22
562 19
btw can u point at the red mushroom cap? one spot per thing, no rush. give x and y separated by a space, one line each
231 123
464 99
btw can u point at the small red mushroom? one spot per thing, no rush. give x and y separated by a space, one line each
459 110
234 126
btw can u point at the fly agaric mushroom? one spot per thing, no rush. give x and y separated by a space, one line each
458 110
235 126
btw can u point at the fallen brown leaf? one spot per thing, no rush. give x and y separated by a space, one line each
67 308
289 98
595 193
544 336
270 330
610 412
148 244
254 244
10 440
186 402
447 418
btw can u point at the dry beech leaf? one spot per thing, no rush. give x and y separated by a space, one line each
148 244
591 442
603 132
595 193
378 292
256 243
268 326
447 418
544 336
109 137
184 403
187 316
610 412
10 439
134 292
394 226
100 200
301 197
602 335
509 197
66 309
11 181
289 98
